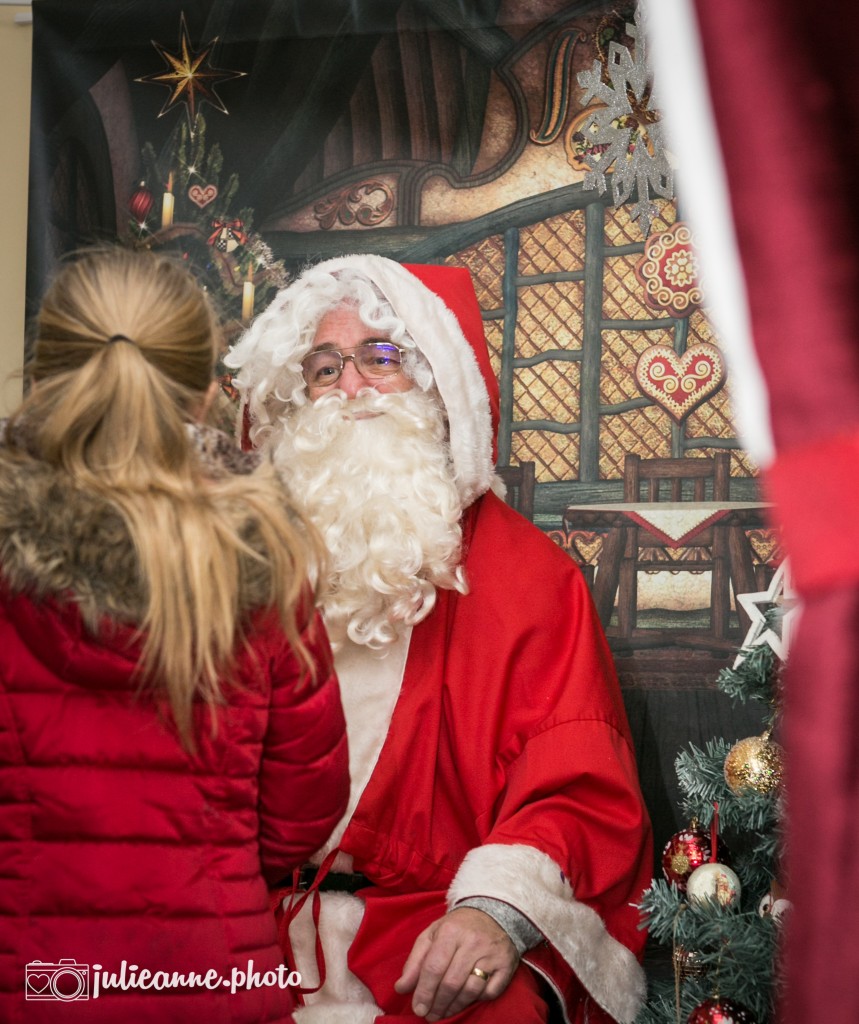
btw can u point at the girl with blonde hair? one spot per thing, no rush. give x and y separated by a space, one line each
171 736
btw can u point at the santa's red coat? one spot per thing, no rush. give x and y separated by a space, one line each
509 741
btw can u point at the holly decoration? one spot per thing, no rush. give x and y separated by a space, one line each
720 1011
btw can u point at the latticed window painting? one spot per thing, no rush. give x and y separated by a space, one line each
569 366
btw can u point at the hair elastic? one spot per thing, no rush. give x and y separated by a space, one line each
113 339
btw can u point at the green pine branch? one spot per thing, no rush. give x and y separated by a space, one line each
661 907
757 677
151 170
228 194
734 948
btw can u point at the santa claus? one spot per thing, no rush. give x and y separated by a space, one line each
496 839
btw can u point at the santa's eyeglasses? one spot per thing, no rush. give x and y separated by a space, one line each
372 360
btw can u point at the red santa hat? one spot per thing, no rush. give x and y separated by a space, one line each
455 288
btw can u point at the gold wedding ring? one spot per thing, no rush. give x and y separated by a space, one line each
477 972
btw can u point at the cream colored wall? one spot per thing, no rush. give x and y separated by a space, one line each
15 63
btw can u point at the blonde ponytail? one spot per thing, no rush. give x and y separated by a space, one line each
125 348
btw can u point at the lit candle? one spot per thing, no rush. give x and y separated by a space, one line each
248 297
167 204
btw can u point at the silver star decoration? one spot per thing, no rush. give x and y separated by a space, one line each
625 132
781 595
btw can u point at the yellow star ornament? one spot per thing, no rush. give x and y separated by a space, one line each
190 78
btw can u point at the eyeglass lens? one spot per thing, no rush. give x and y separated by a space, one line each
376 359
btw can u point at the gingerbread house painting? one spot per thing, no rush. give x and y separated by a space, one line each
517 139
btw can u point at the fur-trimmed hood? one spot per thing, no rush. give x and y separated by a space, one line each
60 541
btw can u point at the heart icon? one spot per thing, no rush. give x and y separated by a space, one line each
764 545
588 546
680 384
38 982
202 195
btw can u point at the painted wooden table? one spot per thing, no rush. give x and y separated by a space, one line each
672 524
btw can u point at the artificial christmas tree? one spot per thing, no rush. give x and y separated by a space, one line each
718 920
181 204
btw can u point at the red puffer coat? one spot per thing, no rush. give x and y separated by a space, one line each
115 844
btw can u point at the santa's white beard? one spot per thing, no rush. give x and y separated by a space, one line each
374 476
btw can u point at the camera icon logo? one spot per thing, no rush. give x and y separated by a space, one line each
64 981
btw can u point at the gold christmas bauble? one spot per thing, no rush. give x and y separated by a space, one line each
687 964
754 764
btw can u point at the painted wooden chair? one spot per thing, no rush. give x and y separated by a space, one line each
676 480
519 481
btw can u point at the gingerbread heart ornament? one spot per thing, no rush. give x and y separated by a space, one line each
202 195
765 545
679 384
587 545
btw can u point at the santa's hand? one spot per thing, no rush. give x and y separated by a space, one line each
461 958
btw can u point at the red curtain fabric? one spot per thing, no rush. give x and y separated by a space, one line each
782 84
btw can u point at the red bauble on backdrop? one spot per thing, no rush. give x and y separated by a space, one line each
140 203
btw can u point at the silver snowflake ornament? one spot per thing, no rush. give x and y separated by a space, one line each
624 135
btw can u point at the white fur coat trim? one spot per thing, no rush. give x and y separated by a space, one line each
343 997
328 1013
460 383
534 884
370 683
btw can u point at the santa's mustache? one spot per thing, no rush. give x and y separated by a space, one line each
314 427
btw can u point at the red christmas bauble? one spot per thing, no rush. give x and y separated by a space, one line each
140 203
687 850
720 1011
